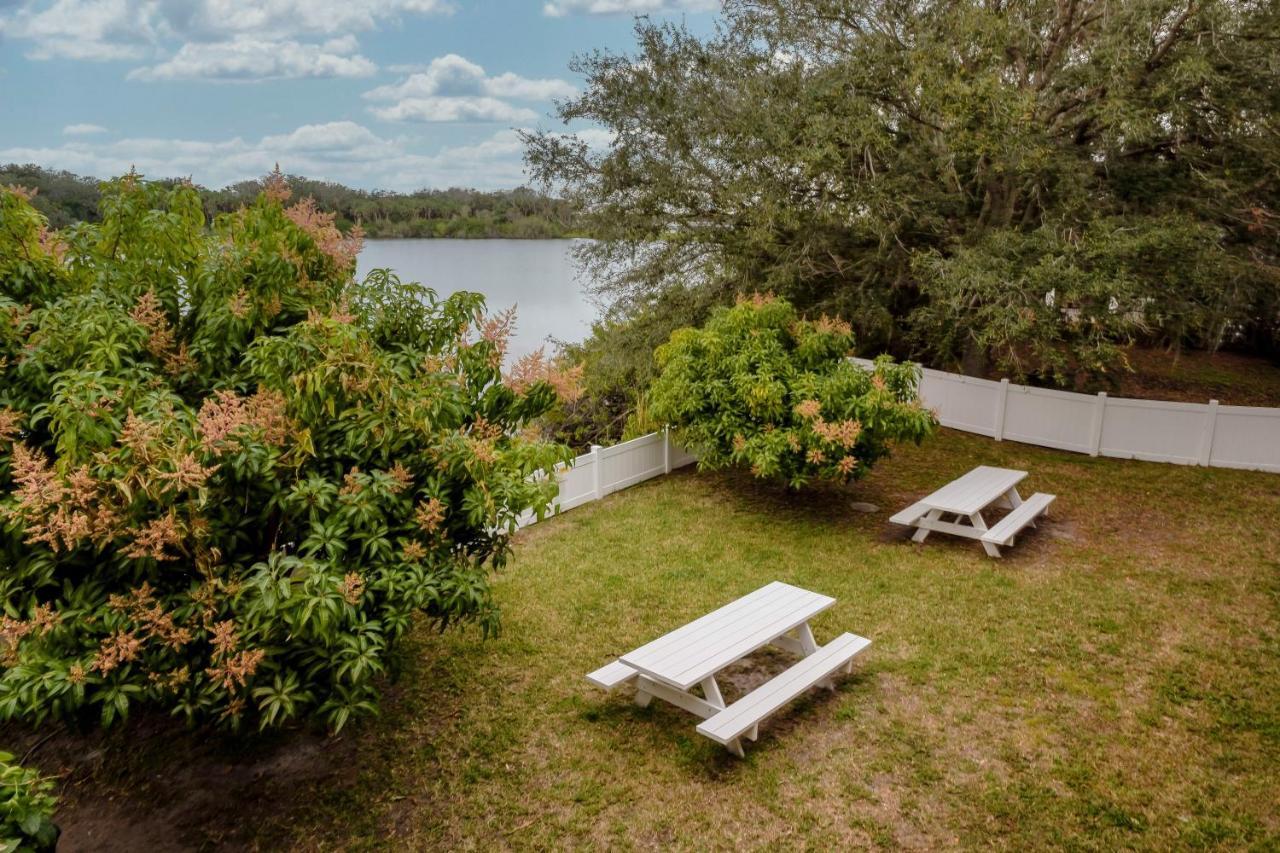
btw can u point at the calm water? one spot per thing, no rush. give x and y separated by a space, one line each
539 277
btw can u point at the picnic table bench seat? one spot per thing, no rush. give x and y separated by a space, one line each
1025 514
612 675
743 716
911 514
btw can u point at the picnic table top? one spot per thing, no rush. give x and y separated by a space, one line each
699 650
975 490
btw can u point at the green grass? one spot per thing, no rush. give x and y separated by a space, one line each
1113 682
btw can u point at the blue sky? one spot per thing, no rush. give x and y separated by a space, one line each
390 94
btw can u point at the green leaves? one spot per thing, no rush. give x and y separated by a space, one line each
762 388
26 808
230 476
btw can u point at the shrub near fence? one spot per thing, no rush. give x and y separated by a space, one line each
1152 430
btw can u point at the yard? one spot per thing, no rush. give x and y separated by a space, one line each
1113 682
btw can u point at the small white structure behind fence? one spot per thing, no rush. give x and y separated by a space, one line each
1152 430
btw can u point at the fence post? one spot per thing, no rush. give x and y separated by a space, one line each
666 450
595 471
1206 439
1002 406
1099 411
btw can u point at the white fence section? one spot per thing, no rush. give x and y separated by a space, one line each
606 470
1152 430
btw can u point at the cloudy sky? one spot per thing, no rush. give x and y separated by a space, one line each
390 94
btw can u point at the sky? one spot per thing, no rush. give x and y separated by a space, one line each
378 94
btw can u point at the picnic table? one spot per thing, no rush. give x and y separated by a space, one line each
966 499
778 614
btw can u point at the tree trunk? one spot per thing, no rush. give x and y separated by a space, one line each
973 361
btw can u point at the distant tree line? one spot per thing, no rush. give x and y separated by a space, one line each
65 198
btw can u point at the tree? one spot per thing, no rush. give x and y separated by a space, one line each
760 387
864 157
230 475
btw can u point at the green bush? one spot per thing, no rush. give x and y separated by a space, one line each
761 387
230 475
26 808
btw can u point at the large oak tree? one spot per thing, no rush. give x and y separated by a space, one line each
1030 182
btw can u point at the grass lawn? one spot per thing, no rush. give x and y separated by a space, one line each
1113 682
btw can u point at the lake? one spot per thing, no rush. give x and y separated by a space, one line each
539 277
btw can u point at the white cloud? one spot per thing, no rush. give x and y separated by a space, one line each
473 108
510 85
560 8
83 129
245 58
342 151
215 33
452 88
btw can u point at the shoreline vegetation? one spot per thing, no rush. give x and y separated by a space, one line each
66 198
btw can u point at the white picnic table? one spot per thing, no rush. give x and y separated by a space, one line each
778 614
966 499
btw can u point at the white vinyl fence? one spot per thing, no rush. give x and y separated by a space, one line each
1155 431
606 470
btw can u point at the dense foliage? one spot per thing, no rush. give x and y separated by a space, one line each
760 387
1023 186
230 475
521 213
26 808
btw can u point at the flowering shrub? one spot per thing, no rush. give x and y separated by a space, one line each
230 475
761 387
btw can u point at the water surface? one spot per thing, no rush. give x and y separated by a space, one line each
539 277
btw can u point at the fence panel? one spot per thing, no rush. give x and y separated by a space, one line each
1051 418
1153 431
577 482
604 470
632 462
962 402
1246 437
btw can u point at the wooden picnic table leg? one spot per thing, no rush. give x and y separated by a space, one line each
980 525
1012 496
922 533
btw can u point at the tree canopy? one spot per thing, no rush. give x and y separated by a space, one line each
1028 183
